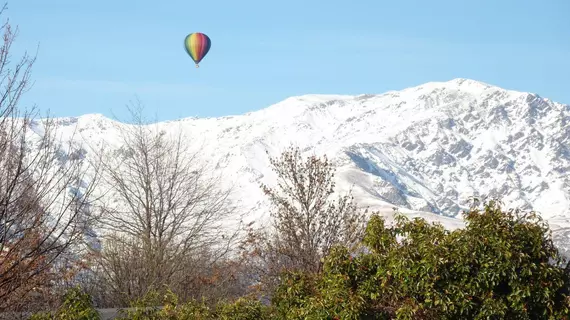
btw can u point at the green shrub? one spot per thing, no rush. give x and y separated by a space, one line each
242 309
155 306
76 305
502 265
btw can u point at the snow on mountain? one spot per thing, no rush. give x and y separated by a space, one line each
425 149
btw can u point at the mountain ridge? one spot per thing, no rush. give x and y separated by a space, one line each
320 97
425 149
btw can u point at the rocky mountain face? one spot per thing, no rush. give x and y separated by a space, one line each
427 149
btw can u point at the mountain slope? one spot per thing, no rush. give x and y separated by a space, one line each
426 149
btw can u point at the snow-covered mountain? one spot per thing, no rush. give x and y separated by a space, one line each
427 149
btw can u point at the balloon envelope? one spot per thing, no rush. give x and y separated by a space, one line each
197 46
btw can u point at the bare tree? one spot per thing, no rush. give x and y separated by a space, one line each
306 221
163 215
44 194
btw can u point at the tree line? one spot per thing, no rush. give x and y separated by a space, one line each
143 226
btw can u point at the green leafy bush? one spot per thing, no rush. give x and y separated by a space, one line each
76 305
170 309
502 265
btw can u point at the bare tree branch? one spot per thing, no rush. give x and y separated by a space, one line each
306 222
164 210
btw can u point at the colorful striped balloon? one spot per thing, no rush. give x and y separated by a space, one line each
197 46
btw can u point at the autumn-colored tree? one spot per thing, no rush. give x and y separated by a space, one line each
44 194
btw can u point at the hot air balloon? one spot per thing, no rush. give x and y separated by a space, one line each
197 46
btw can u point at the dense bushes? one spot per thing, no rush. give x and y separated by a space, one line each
76 306
243 308
502 265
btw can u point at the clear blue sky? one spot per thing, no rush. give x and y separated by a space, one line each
96 56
